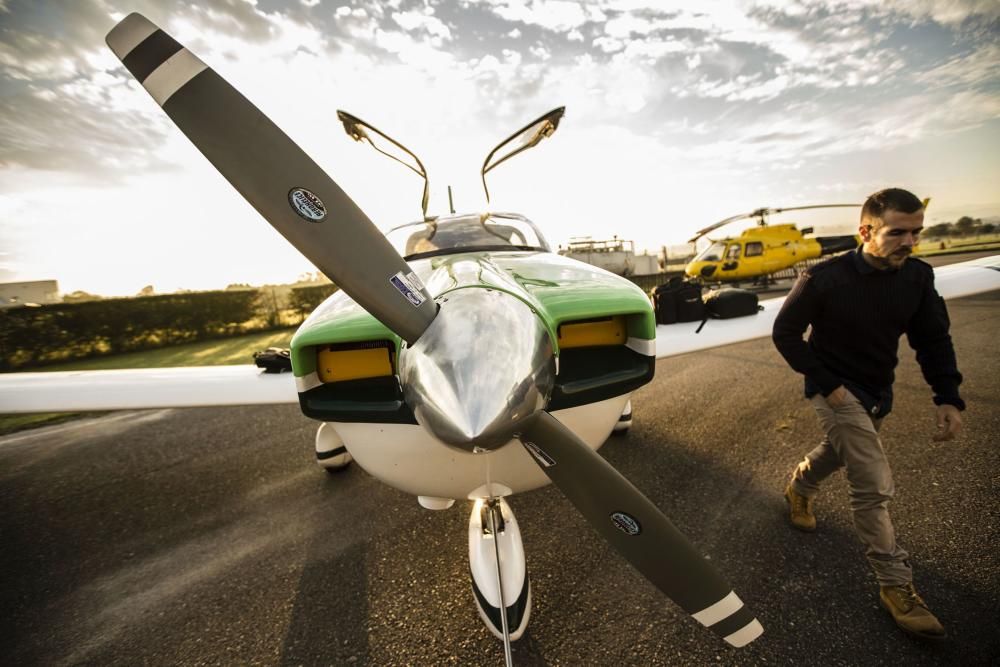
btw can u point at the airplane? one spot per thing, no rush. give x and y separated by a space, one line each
761 251
461 360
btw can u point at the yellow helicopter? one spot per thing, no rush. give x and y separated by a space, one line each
761 251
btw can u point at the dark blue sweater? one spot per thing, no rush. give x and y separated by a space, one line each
858 314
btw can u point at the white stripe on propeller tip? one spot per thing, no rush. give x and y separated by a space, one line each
721 610
742 637
168 78
130 33
724 609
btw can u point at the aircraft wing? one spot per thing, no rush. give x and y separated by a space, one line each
136 388
247 385
952 281
680 338
967 278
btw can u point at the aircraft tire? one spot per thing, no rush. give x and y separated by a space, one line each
624 422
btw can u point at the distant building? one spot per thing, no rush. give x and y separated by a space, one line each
34 291
617 256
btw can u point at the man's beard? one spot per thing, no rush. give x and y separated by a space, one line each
896 259
890 262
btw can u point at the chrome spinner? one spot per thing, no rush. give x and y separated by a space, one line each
483 366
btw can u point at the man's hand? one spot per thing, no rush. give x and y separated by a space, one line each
949 422
837 397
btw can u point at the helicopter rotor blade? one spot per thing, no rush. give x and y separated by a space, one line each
720 223
276 177
638 530
803 208
760 213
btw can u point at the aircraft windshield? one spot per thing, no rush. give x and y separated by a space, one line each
712 253
468 233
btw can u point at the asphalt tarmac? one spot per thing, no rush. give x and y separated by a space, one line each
210 537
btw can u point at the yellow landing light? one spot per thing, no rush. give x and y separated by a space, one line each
340 365
604 331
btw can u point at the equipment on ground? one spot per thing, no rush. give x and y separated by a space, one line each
678 300
729 302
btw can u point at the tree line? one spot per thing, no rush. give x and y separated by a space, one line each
51 333
963 227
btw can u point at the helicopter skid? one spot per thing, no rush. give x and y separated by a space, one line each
408 458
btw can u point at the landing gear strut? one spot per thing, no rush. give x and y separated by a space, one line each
499 572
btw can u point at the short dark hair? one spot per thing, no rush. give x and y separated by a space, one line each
890 199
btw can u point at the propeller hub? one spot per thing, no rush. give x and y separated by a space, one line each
483 367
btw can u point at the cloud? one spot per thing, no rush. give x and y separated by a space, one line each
941 11
80 125
48 40
804 131
556 15
977 68
66 103
425 22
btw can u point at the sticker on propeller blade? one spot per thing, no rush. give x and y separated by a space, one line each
626 523
408 289
307 205
543 459
415 280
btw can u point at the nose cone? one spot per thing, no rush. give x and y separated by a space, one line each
699 269
483 366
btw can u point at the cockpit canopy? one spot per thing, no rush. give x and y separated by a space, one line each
466 233
712 253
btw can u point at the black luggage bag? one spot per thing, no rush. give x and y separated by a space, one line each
273 360
730 302
678 301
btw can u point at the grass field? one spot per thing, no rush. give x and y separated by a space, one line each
929 247
225 351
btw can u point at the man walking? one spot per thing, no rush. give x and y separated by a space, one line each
859 304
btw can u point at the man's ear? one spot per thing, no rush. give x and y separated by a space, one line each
865 231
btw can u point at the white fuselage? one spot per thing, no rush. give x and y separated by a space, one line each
407 457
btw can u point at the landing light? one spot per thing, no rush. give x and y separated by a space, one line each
337 364
595 332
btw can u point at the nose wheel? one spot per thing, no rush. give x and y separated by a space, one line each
500 583
625 421
331 454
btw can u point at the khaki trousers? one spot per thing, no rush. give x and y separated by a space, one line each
851 441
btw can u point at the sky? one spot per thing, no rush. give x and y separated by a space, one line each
678 114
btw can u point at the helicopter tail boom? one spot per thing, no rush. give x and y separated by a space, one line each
833 244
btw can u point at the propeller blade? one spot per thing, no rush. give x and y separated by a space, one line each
278 179
638 530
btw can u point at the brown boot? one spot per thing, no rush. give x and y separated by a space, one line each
801 510
910 612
